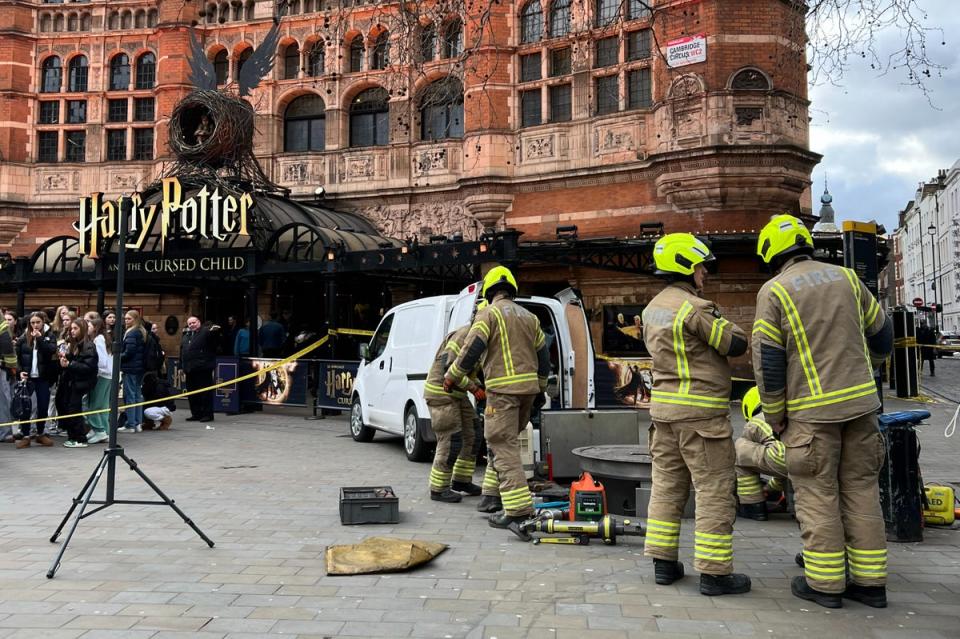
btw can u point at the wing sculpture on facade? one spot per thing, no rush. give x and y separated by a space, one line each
202 74
259 64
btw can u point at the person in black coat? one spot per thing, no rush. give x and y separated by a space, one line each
927 339
37 362
198 358
78 375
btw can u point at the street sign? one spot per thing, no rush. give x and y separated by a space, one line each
918 302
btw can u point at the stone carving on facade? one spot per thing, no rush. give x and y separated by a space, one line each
686 86
125 181
301 172
358 167
422 220
750 80
614 139
430 161
538 148
747 116
54 182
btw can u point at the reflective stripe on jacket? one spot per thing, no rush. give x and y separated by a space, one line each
449 350
811 344
509 342
689 342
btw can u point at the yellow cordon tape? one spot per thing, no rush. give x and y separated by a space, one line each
351 331
317 344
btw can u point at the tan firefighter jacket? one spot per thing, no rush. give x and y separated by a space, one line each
817 335
449 350
689 341
507 341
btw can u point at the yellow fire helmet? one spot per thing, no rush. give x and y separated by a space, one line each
783 234
750 403
498 275
679 253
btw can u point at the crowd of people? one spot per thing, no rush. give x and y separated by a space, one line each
58 365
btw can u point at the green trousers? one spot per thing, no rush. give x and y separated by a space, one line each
99 398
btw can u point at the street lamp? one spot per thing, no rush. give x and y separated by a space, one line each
932 231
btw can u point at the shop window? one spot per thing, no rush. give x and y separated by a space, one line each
119 72
220 67
428 43
638 9
530 114
561 103
559 62
76 111
76 146
116 145
607 52
242 59
143 110
639 93
370 118
606 12
78 74
50 112
304 124
380 54
47 146
453 40
608 94
441 110
559 18
356 54
143 144
117 110
531 22
316 61
638 45
146 71
530 67
51 75
291 62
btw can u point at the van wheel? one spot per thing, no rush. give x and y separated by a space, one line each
358 431
416 449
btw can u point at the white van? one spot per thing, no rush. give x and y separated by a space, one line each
388 390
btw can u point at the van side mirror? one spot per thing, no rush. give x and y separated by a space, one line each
365 352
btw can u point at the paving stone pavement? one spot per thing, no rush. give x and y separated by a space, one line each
265 488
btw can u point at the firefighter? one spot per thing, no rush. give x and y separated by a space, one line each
817 336
691 437
516 362
451 412
759 450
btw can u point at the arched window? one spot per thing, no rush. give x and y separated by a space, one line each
46 23
86 22
210 14
291 61
441 110
380 54
304 124
146 71
223 13
750 80
370 118
220 67
248 10
242 59
428 43
51 75
356 54
140 19
78 74
152 18
113 21
237 12
119 73
58 23
453 40
531 22
126 20
559 18
73 22
316 61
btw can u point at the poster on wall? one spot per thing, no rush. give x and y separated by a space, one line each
226 399
623 383
623 330
689 50
286 385
335 383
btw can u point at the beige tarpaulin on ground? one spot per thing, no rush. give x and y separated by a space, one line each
380 554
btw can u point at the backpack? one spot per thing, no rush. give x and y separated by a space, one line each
153 357
21 404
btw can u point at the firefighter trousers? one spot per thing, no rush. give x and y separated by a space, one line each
449 416
758 452
700 452
505 417
834 469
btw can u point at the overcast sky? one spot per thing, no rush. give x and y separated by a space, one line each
879 138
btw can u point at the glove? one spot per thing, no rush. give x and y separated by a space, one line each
540 400
480 394
447 384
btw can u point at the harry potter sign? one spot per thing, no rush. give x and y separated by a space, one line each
206 214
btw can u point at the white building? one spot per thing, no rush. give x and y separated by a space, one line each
929 241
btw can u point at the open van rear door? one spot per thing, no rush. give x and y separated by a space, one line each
462 311
580 364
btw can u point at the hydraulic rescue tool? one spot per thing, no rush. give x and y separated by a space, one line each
607 529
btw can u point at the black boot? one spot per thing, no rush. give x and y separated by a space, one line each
873 596
470 489
666 572
503 520
757 512
799 559
446 495
489 504
733 584
800 588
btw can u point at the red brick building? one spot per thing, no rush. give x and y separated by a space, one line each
527 115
